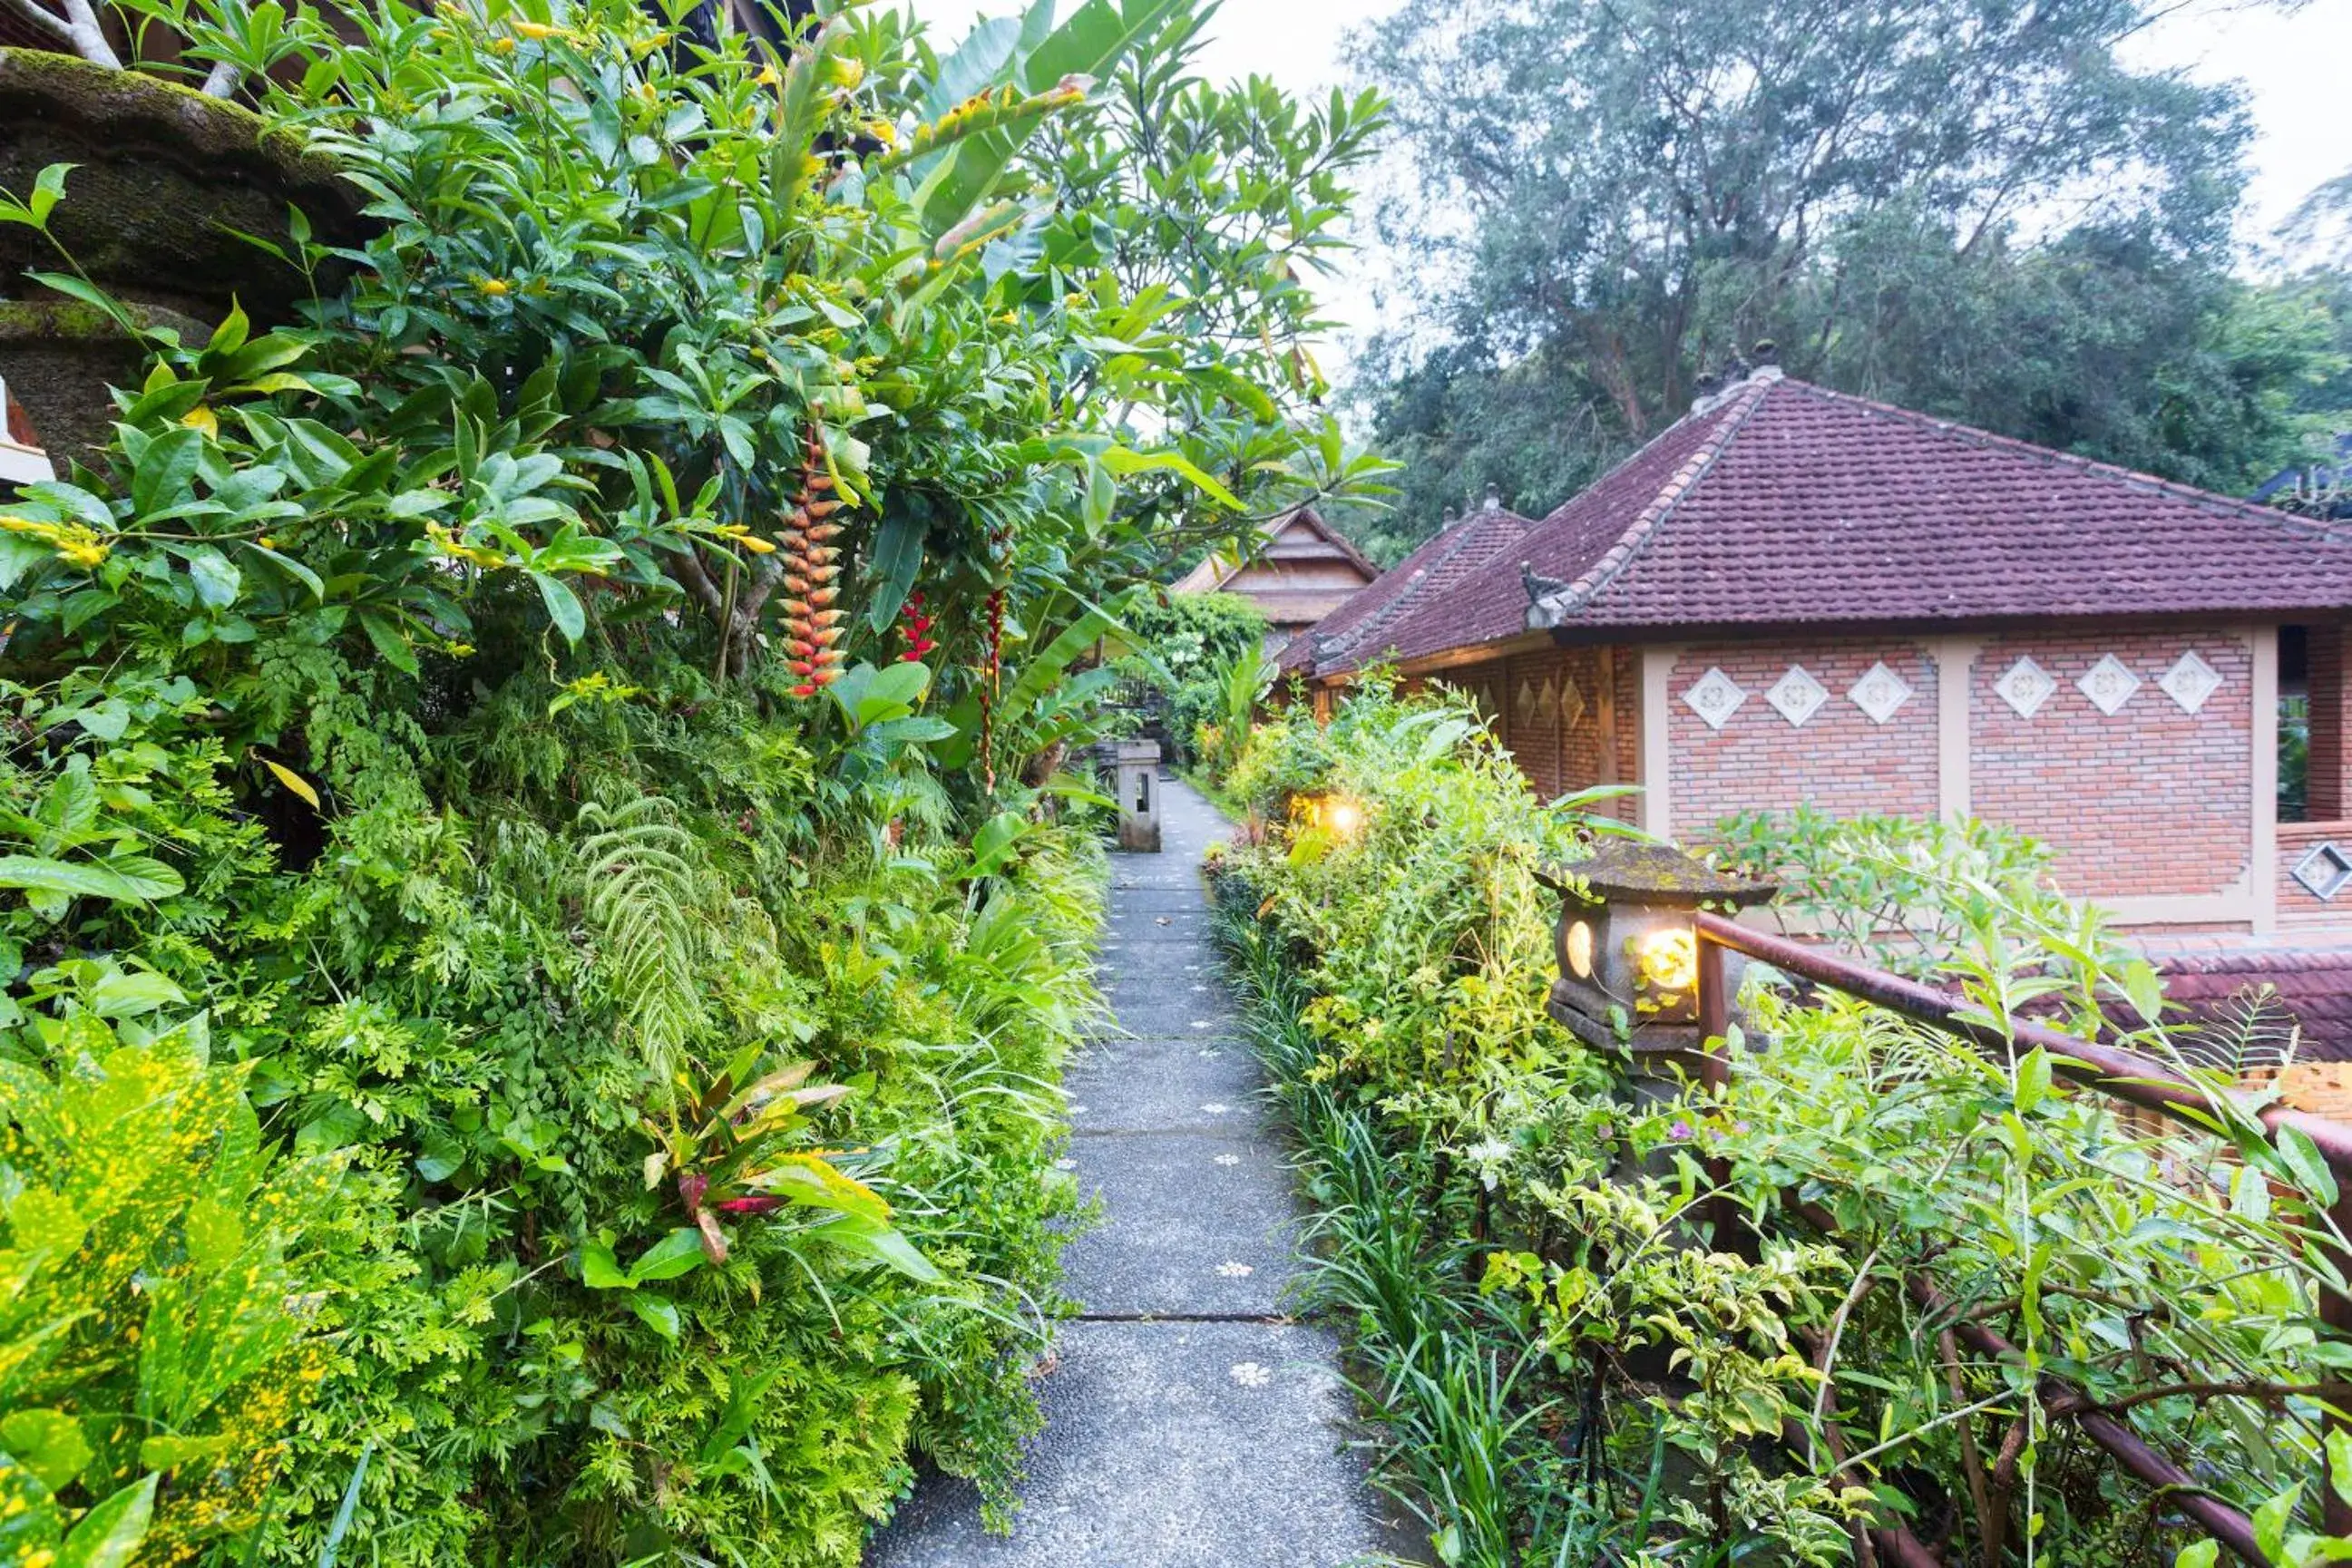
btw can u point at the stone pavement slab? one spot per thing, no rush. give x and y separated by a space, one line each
1199 1223
1160 1085
1173 1445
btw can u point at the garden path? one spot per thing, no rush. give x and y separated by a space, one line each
1189 1423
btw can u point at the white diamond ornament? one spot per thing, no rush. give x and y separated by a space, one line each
1879 692
2109 685
1572 704
2025 687
1715 698
1797 696
2190 682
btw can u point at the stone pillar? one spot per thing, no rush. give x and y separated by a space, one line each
1139 796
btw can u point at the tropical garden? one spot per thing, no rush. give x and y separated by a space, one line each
549 866
546 863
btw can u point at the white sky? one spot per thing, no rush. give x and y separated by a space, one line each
2297 65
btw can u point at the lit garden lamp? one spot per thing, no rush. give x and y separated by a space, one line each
1336 816
1629 951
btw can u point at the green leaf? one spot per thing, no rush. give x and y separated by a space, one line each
2198 1555
659 1314
599 1270
897 557
108 1533
564 606
2308 1166
2271 1522
1093 38
1123 460
46 1442
679 1252
2032 1080
994 843
48 189
134 994
126 879
171 1453
389 640
865 1236
291 567
216 581
165 470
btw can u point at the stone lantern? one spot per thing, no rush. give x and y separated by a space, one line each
1630 965
1138 764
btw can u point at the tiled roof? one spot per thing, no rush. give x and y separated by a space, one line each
2313 985
1782 503
1361 631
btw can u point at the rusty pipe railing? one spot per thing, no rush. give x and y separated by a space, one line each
2126 1075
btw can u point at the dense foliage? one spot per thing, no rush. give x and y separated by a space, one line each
1990 213
539 912
1183 650
1573 1365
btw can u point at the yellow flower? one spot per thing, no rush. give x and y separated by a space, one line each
538 32
502 46
74 543
203 419
266 542
495 288
767 78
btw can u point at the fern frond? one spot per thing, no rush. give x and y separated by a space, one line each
640 882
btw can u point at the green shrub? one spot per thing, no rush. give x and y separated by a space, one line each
160 1320
1186 644
1574 1365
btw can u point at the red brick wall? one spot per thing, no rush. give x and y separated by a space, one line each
1840 761
2297 905
1563 742
2152 800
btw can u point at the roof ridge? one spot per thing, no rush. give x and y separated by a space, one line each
1554 607
1463 532
1305 512
1979 436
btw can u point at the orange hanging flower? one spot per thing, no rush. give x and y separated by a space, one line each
812 628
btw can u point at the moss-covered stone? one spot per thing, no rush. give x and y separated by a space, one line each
58 360
165 175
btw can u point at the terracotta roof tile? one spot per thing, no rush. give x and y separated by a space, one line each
1787 504
1361 631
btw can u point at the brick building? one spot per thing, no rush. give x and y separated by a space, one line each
1798 596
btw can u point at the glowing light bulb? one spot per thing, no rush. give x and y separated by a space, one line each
1669 958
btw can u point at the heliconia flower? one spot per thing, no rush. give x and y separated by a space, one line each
812 628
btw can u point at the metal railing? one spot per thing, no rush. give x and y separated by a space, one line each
2125 1075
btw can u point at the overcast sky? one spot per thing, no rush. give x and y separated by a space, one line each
2298 67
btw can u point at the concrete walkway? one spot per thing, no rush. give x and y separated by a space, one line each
1189 1423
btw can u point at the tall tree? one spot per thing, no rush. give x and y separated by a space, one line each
1976 206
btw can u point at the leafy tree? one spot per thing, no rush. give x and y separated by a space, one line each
1982 210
